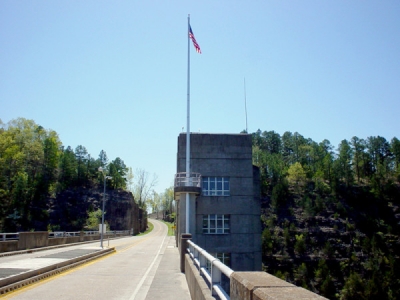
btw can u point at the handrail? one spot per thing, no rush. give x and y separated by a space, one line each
187 179
200 258
90 232
6 236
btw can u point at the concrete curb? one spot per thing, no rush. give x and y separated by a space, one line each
15 282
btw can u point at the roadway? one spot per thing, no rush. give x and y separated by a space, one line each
143 267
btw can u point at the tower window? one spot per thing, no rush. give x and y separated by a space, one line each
216 224
215 186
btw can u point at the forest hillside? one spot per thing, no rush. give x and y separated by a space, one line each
331 216
46 186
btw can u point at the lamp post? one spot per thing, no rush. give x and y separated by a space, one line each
104 200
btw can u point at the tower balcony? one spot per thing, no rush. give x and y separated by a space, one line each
187 183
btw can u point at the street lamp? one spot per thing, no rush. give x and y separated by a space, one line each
104 200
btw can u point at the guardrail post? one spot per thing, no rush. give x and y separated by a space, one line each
195 253
202 261
184 245
215 276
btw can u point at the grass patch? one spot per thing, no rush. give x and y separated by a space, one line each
170 229
150 227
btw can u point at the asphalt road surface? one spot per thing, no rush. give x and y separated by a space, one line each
143 267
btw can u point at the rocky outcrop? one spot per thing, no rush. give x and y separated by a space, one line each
68 211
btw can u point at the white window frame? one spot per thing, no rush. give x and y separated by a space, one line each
225 258
215 186
216 224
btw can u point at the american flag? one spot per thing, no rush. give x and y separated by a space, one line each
191 35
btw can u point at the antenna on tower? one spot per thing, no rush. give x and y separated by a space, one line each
245 102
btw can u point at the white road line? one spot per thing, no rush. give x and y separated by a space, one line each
147 272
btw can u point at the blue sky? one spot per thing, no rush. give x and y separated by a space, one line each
112 75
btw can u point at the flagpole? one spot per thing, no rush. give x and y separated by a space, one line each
188 131
245 102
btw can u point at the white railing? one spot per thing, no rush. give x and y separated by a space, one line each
200 258
55 234
185 179
7 236
78 233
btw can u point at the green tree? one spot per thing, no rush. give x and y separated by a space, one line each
358 149
117 170
300 244
301 275
327 166
67 168
328 249
103 159
273 170
51 150
20 203
280 195
395 149
267 241
344 163
94 220
297 176
286 236
271 142
81 155
288 148
379 150
328 287
167 200
353 288
322 271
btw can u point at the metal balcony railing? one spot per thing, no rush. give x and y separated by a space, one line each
181 179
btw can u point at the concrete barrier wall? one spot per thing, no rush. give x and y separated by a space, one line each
8 246
247 286
88 238
80 239
64 240
263 286
32 240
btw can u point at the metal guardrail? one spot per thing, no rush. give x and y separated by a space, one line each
78 233
7 236
182 179
200 258
55 234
